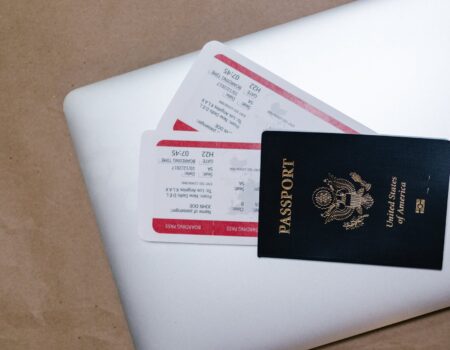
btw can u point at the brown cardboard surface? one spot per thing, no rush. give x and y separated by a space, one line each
56 288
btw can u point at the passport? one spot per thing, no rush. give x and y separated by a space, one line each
378 200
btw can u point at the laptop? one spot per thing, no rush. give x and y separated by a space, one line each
368 59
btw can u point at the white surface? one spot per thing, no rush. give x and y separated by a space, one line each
384 63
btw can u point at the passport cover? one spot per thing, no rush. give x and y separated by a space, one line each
353 198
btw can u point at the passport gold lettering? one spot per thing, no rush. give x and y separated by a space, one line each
398 213
401 205
287 184
391 203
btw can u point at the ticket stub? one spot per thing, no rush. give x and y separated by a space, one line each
225 92
198 188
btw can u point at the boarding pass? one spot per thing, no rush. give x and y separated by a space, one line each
224 92
199 188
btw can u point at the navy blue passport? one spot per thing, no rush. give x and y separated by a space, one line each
353 198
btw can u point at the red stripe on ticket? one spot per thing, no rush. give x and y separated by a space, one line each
182 126
206 227
209 144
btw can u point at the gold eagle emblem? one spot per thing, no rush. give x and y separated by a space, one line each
342 199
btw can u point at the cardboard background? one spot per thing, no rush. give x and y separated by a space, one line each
56 288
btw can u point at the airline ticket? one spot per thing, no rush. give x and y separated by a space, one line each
225 92
198 188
